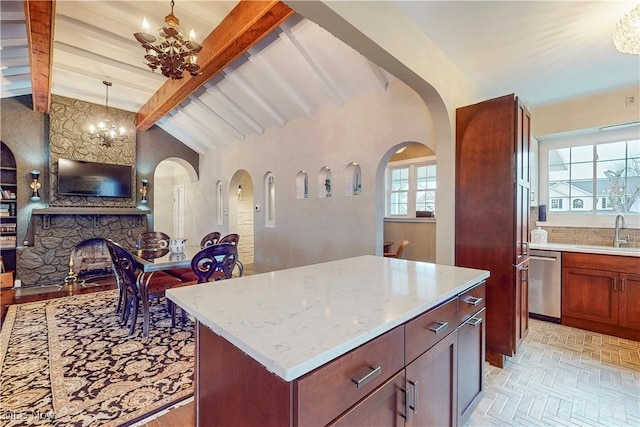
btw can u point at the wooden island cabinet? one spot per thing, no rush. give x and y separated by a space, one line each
601 293
406 371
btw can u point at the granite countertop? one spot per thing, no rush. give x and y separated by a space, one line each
293 321
590 249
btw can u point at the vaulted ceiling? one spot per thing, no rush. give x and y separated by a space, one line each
256 72
264 65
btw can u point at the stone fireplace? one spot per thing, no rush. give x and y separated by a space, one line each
56 228
57 232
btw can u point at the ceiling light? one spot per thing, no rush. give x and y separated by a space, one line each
401 150
626 37
172 54
105 132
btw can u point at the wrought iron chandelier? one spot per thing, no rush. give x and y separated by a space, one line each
172 54
627 33
105 132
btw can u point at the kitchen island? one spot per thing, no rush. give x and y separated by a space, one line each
302 346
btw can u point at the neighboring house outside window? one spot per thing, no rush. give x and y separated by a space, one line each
597 174
411 188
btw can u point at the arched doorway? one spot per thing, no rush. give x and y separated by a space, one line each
407 187
241 219
173 193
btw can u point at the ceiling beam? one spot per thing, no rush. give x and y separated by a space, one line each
244 26
39 17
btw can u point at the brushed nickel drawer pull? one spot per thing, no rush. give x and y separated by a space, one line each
414 407
441 326
405 410
366 375
473 301
473 321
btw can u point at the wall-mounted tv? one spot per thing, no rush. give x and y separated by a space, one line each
80 178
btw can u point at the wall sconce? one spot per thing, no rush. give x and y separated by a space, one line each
239 191
35 185
143 191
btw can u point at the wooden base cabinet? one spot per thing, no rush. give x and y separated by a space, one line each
471 366
384 407
412 375
601 293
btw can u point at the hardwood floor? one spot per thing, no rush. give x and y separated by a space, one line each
39 293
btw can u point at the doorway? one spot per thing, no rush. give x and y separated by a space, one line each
241 214
172 190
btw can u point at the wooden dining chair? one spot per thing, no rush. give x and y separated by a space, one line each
234 239
215 262
399 251
210 239
135 296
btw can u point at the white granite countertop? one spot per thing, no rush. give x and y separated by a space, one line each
293 321
590 249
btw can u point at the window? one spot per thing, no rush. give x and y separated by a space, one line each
411 189
399 191
596 174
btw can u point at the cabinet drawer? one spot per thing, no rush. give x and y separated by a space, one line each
383 407
426 330
330 390
471 302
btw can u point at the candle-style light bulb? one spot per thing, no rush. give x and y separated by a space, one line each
192 35
92 128
145 25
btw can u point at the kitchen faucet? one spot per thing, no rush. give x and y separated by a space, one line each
616 238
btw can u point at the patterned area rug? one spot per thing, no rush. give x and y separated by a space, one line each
68 362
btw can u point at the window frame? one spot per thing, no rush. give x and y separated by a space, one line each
574 139
412 165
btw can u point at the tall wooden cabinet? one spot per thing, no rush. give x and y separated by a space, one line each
492 213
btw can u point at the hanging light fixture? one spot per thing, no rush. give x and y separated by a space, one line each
626 36
105 132
172 54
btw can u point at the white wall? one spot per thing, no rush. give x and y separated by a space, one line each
365 130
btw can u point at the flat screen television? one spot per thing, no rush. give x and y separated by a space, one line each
80 178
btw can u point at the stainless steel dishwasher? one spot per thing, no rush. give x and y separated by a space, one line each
545 276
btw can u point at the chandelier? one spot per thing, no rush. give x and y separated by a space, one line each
105 132
626 37
172 54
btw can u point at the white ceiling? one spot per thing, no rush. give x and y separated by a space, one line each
543 51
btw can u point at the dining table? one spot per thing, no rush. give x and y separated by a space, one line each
151 261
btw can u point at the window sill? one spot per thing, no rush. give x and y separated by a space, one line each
393 219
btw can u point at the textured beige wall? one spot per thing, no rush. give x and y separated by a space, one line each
587 112
367 129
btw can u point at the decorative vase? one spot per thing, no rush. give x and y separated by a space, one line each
177 246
